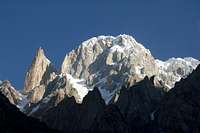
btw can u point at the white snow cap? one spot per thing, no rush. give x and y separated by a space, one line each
115 54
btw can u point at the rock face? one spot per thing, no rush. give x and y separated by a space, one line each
40 73
13 121
179 110
57 90
9 91
70 86
36 95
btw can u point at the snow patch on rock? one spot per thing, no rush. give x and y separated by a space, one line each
79 85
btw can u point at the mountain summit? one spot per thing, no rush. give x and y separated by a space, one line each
100 61
105 62
109 62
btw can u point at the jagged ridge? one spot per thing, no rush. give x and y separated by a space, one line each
108 63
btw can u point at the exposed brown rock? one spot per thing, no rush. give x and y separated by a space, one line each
40 73
9 91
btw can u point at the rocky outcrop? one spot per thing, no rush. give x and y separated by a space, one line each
62 86
179 110
69 85
40 73
36 95
69 116
10 92
14 121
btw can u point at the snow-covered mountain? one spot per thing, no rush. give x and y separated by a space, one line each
105 62
172 70
100 71
109 62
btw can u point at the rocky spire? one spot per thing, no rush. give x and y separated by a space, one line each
40 72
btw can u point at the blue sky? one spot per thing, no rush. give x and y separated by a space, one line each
166 27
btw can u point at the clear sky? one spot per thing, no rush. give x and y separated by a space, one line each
166 27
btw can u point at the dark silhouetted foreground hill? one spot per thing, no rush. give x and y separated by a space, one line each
14 121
